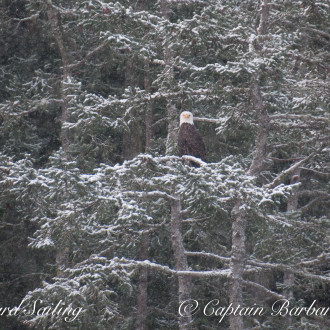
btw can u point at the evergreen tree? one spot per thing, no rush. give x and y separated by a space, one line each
105 216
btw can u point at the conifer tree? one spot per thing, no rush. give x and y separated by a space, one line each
115 222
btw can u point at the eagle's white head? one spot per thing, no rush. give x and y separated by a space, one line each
186 117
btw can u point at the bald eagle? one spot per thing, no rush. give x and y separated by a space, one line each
190 142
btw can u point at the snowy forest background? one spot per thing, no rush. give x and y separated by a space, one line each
96 207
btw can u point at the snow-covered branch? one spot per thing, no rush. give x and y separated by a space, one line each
183 158
207 255
315 171
322 33
296 116
195 220
289 269
323 258
199 2
225 273
285 173
194 159
89 55
285 159
208 120
150 194
263 289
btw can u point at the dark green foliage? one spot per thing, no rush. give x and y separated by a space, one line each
98 198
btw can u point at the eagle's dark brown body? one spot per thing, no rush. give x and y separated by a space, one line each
190 142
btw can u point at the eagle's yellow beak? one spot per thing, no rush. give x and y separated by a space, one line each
186 115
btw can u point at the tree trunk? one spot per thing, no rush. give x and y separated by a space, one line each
57 29
172 113
63 251
263 128
142 298
288 277
180 260
132 140
293 198
148 115
237 263
239 215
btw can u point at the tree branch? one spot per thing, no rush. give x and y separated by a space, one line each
315 171
207 120
322 33
150 194
207 255
194 159
285 173
289 269
88 56
263 289
191 273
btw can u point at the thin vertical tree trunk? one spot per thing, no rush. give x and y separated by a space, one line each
237 263
132 141
288 277
63 251
293 198
239 215
180 260
172 113
57 29
142 298
262 132
148 115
